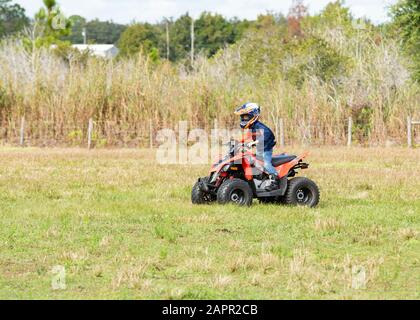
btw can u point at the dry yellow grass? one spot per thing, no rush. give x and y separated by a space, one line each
123 96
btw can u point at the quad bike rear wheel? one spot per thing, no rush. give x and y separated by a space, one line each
200 197
302 192
235 191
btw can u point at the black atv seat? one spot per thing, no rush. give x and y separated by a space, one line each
282 159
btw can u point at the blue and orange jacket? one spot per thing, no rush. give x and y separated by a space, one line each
269 138
260 132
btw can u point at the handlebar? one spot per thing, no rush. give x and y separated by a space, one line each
241 146
252 144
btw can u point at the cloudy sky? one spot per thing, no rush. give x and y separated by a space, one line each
125 11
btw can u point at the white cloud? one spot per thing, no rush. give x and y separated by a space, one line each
125 11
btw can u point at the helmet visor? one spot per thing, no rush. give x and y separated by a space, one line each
246 117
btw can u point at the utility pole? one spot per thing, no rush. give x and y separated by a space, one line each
192 41
84 34
167 40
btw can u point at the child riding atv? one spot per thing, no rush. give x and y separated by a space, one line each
250 114
244 173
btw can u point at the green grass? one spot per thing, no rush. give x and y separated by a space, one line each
125 228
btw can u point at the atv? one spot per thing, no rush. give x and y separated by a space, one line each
239 177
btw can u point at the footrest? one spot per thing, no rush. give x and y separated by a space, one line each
275 193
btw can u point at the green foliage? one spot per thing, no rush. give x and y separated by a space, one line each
180 37
76 36
268 54
313 56
5 103
335 14
213 33
261 55
269 20
362 122
240 27
51 25
406 14
75 137
12 18
139 37
154 55
102 32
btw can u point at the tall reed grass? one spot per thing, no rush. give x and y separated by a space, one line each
57 98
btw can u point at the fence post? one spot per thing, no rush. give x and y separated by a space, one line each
22 132
151 134
409 133
90 133
183 142
216 126
349 132
281 128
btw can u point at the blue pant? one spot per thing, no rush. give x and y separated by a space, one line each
268 166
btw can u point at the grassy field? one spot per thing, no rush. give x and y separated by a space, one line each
124 228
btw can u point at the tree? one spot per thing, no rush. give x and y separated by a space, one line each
312 56
51 25
297 12
12 18
139 37
406 15
240 27
335 16
213 32
105 32
76 36
180 36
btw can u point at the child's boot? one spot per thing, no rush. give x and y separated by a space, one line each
275 183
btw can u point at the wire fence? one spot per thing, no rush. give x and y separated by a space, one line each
100 134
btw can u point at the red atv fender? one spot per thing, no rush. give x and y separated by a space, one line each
284 169
239 159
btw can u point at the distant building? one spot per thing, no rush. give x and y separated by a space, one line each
107 51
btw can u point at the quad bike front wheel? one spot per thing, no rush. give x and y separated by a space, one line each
200 197
235 191
302 192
